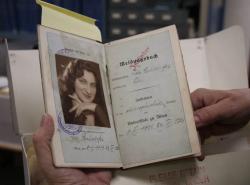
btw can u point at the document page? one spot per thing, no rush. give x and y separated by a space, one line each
76 95
146 99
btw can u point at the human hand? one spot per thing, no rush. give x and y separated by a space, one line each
79 106
63 176
219 112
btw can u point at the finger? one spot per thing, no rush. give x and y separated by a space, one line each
74 97
78 111
197 98
42 139
211 114
85 106
73 108
71 96
205 97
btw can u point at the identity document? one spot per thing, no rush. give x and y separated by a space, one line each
121 104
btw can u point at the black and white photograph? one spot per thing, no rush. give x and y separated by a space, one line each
81 92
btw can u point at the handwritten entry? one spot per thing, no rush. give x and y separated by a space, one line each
146 99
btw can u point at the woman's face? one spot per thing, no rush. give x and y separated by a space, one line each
85 87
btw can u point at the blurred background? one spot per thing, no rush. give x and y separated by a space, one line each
116 19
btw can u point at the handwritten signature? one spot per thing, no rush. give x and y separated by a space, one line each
153 126
155 103
94 148
86 138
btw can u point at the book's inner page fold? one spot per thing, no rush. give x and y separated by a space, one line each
195 60
76 95
146 98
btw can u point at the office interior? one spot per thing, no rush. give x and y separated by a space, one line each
116 19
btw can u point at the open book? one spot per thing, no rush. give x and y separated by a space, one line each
150 118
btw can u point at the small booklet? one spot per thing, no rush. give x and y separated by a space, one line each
121 104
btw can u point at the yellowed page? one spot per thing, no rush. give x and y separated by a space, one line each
69 21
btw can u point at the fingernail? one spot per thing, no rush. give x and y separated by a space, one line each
196 119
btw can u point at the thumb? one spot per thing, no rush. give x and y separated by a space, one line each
209 114
42 139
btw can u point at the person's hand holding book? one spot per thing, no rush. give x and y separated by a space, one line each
218 112
63 176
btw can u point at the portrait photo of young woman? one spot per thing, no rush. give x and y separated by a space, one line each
81 92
